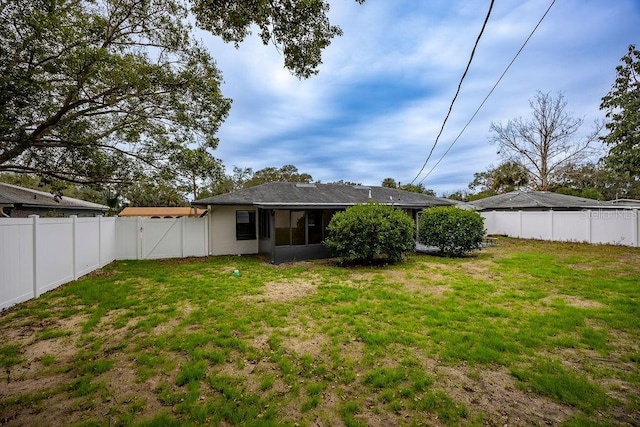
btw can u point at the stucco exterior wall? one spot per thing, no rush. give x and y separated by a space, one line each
222 232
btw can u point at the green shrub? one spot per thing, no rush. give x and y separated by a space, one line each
364 233
454 231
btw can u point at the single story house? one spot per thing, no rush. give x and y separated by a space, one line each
162 212
533 201
285 221
20 202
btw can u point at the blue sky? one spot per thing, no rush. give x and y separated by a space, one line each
385 86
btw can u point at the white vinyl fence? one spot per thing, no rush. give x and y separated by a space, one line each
601 226
40 254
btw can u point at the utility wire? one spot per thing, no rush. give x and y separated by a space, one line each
484 25
491 91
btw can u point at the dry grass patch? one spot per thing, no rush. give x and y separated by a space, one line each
573 301
288 290
494 391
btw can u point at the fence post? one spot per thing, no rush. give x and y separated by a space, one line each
207 226
34 232
99 241
636 227
74 254
183 237
519 224
589 225
494 222
551 224
140 239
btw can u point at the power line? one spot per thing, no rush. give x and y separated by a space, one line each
484 25
490 92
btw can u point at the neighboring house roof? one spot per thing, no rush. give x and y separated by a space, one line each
161 211
292 195
39 199
534 200
624 202
5 201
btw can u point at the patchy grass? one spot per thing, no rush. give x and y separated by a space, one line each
523 333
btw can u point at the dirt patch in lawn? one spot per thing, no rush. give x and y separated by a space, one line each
417 281
286 290
435 290
311 345
573 301
493 391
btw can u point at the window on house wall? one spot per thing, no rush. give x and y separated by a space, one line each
264 228
245 225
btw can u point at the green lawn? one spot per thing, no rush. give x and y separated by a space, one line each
524 333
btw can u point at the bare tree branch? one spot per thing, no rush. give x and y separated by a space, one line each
545 143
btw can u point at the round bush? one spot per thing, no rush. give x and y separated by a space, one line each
364 233
454 231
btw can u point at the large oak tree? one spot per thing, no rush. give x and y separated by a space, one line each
104 90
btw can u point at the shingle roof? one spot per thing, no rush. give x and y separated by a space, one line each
27 197
5 201
533 200
161 211
624 202
287 194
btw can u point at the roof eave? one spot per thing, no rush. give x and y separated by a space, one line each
299 205
82 208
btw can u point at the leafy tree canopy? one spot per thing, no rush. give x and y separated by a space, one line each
504 178
389 183
246 177
227 183
154 192
100 91
299 28
108 90
287 173
343 182
597 181
195 168
622 105
414 188
459 195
